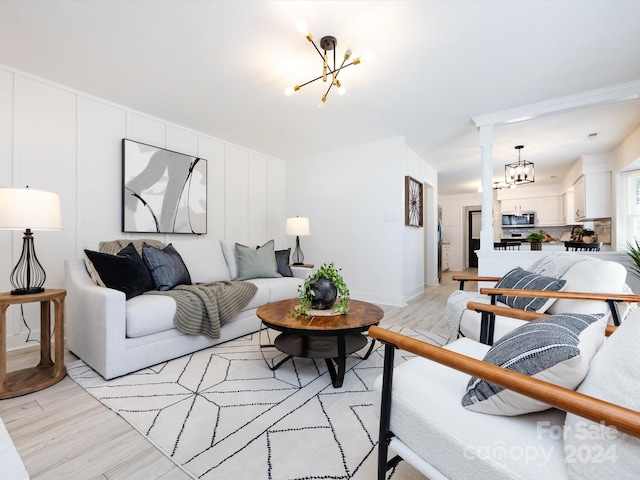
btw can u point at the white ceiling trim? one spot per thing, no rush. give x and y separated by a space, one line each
604 96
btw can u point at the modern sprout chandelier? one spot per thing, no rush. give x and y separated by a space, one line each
329 72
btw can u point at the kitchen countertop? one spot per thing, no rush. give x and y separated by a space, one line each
555 246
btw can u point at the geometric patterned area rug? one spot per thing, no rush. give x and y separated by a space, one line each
221 413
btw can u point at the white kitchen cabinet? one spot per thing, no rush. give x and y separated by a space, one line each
592 196
518 204
549 210
569 211
446 257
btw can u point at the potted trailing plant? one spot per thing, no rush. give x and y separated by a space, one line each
536 239
588 235
321 290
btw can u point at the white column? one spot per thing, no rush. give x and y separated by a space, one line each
486 154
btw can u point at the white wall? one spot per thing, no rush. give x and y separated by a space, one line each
418 240
54 138
354 198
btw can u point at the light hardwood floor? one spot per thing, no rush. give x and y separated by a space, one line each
62 432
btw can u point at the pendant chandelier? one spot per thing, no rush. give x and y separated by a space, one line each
329 72
520 172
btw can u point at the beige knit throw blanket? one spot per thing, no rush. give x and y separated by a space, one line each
203 308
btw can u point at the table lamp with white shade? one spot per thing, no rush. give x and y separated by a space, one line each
28 209
297 226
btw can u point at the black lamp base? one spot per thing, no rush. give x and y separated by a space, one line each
27 276
297 256
27 291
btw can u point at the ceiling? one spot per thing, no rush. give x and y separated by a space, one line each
221 67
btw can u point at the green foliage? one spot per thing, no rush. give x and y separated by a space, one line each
536 237
634 254
331 273
587 233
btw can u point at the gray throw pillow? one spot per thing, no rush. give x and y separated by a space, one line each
259 263
556 349
166 267
520 279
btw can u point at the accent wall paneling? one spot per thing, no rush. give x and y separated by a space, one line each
146 129
257 199
99 172
213 151
45 151
62 140
276 181
182 141
236 172
6 167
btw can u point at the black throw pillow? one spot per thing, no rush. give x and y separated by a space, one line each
166 267
282 261
124 271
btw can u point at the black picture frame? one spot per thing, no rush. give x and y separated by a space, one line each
413 202
162 191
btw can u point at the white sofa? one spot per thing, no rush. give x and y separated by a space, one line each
115 336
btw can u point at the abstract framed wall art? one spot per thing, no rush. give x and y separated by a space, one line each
412 202
162 191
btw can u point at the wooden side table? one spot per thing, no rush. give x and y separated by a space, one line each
47 372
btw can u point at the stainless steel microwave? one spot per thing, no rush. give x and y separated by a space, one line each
522 219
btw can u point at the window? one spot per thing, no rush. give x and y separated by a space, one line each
629 227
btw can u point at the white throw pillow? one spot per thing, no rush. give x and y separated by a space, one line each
595 276
204 259
556 349
229 252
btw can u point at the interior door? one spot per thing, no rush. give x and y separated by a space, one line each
474 236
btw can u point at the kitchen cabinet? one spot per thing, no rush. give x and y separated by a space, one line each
592 196
569 211
518 204
446 251
549 210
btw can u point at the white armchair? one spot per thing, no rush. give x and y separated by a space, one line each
580 274
422 418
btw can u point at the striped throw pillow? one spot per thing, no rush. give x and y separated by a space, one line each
520 279
556 349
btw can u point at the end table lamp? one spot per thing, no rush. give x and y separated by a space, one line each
297 226
28 209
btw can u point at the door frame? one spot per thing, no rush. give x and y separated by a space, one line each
467 231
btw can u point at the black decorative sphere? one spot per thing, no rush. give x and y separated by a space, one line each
325 294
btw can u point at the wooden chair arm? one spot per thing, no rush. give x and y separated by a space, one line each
603 297
624 419
473 278
505 311
525 315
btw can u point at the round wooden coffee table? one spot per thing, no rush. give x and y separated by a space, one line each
330 337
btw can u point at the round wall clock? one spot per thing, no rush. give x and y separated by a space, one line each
413 202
